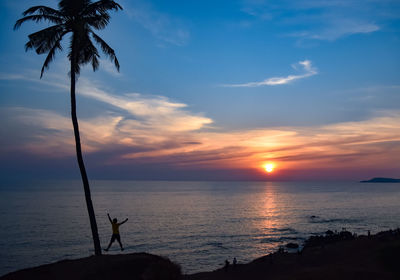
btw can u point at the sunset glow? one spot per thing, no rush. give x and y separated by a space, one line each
269 167
303 115
243 128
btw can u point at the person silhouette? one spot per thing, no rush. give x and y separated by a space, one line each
115 229
226 265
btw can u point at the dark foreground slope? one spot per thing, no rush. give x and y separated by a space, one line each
333 256
130 266
328 257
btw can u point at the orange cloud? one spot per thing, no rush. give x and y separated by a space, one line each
154 129
363 144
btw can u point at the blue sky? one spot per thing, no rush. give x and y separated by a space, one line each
214 88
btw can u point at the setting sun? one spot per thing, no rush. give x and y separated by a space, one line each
269 167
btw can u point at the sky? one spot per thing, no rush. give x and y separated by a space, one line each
211 90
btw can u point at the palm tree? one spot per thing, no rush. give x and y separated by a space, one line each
79 18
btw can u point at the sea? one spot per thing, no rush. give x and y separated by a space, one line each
195 224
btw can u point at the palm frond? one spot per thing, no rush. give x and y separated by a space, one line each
78 17
44 40
73 8
43 10
38 18
28 46
98 21
50 56
102 6
106 49
95 63
90 54
85 52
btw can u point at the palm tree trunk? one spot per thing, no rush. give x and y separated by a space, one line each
92 217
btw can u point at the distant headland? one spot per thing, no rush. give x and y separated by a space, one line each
381 180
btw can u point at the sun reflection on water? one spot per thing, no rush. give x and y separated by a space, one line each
268 225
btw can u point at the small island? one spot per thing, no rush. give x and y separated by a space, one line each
381 180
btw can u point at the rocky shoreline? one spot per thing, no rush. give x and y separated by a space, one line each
334 255
340 255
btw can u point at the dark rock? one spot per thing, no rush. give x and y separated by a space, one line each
381 180
130 266
292 245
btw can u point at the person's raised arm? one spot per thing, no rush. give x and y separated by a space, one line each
109 218
124 221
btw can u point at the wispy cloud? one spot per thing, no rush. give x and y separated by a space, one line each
143 129
323 20
109 67
155 111
338 28
164 27
306 66
368 143
33 76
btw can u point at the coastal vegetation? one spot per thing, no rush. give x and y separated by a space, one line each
79 19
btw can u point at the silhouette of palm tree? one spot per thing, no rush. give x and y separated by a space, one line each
78 17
